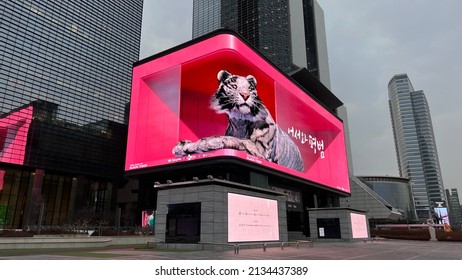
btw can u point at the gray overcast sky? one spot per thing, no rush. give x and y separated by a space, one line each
368 43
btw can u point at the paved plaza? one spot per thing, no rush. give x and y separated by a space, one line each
383 250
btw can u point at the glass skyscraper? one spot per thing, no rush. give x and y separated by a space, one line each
65 80
454 207
289 33
415 144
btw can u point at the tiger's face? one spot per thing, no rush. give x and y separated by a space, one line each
236 95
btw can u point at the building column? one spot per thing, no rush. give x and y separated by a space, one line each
34 198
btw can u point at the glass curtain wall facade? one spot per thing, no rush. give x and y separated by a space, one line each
396 191
65 80
455 210
289 33
415 144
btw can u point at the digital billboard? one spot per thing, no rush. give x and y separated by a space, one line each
218 97
359 225
14 128
148 218
442 216
252 218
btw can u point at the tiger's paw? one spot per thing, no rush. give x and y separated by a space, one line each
181 148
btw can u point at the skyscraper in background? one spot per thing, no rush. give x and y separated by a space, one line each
291 34
455 210
415 144
65 80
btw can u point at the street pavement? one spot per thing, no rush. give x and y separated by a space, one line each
387 249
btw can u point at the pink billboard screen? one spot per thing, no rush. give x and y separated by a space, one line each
359 225
148 218
252 219
442 215
14 129
219 98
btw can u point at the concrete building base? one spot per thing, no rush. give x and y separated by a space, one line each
337 224
70 242
213 198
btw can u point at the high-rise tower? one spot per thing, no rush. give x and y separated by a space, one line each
455 211
289 33
415 144
65 80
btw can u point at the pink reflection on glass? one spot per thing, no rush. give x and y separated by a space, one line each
13 135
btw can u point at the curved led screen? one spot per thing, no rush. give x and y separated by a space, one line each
219 98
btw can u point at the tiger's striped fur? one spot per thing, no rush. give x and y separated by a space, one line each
251 127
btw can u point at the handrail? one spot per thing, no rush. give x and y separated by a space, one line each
298 243
264 245
235 246
372 239
149 243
